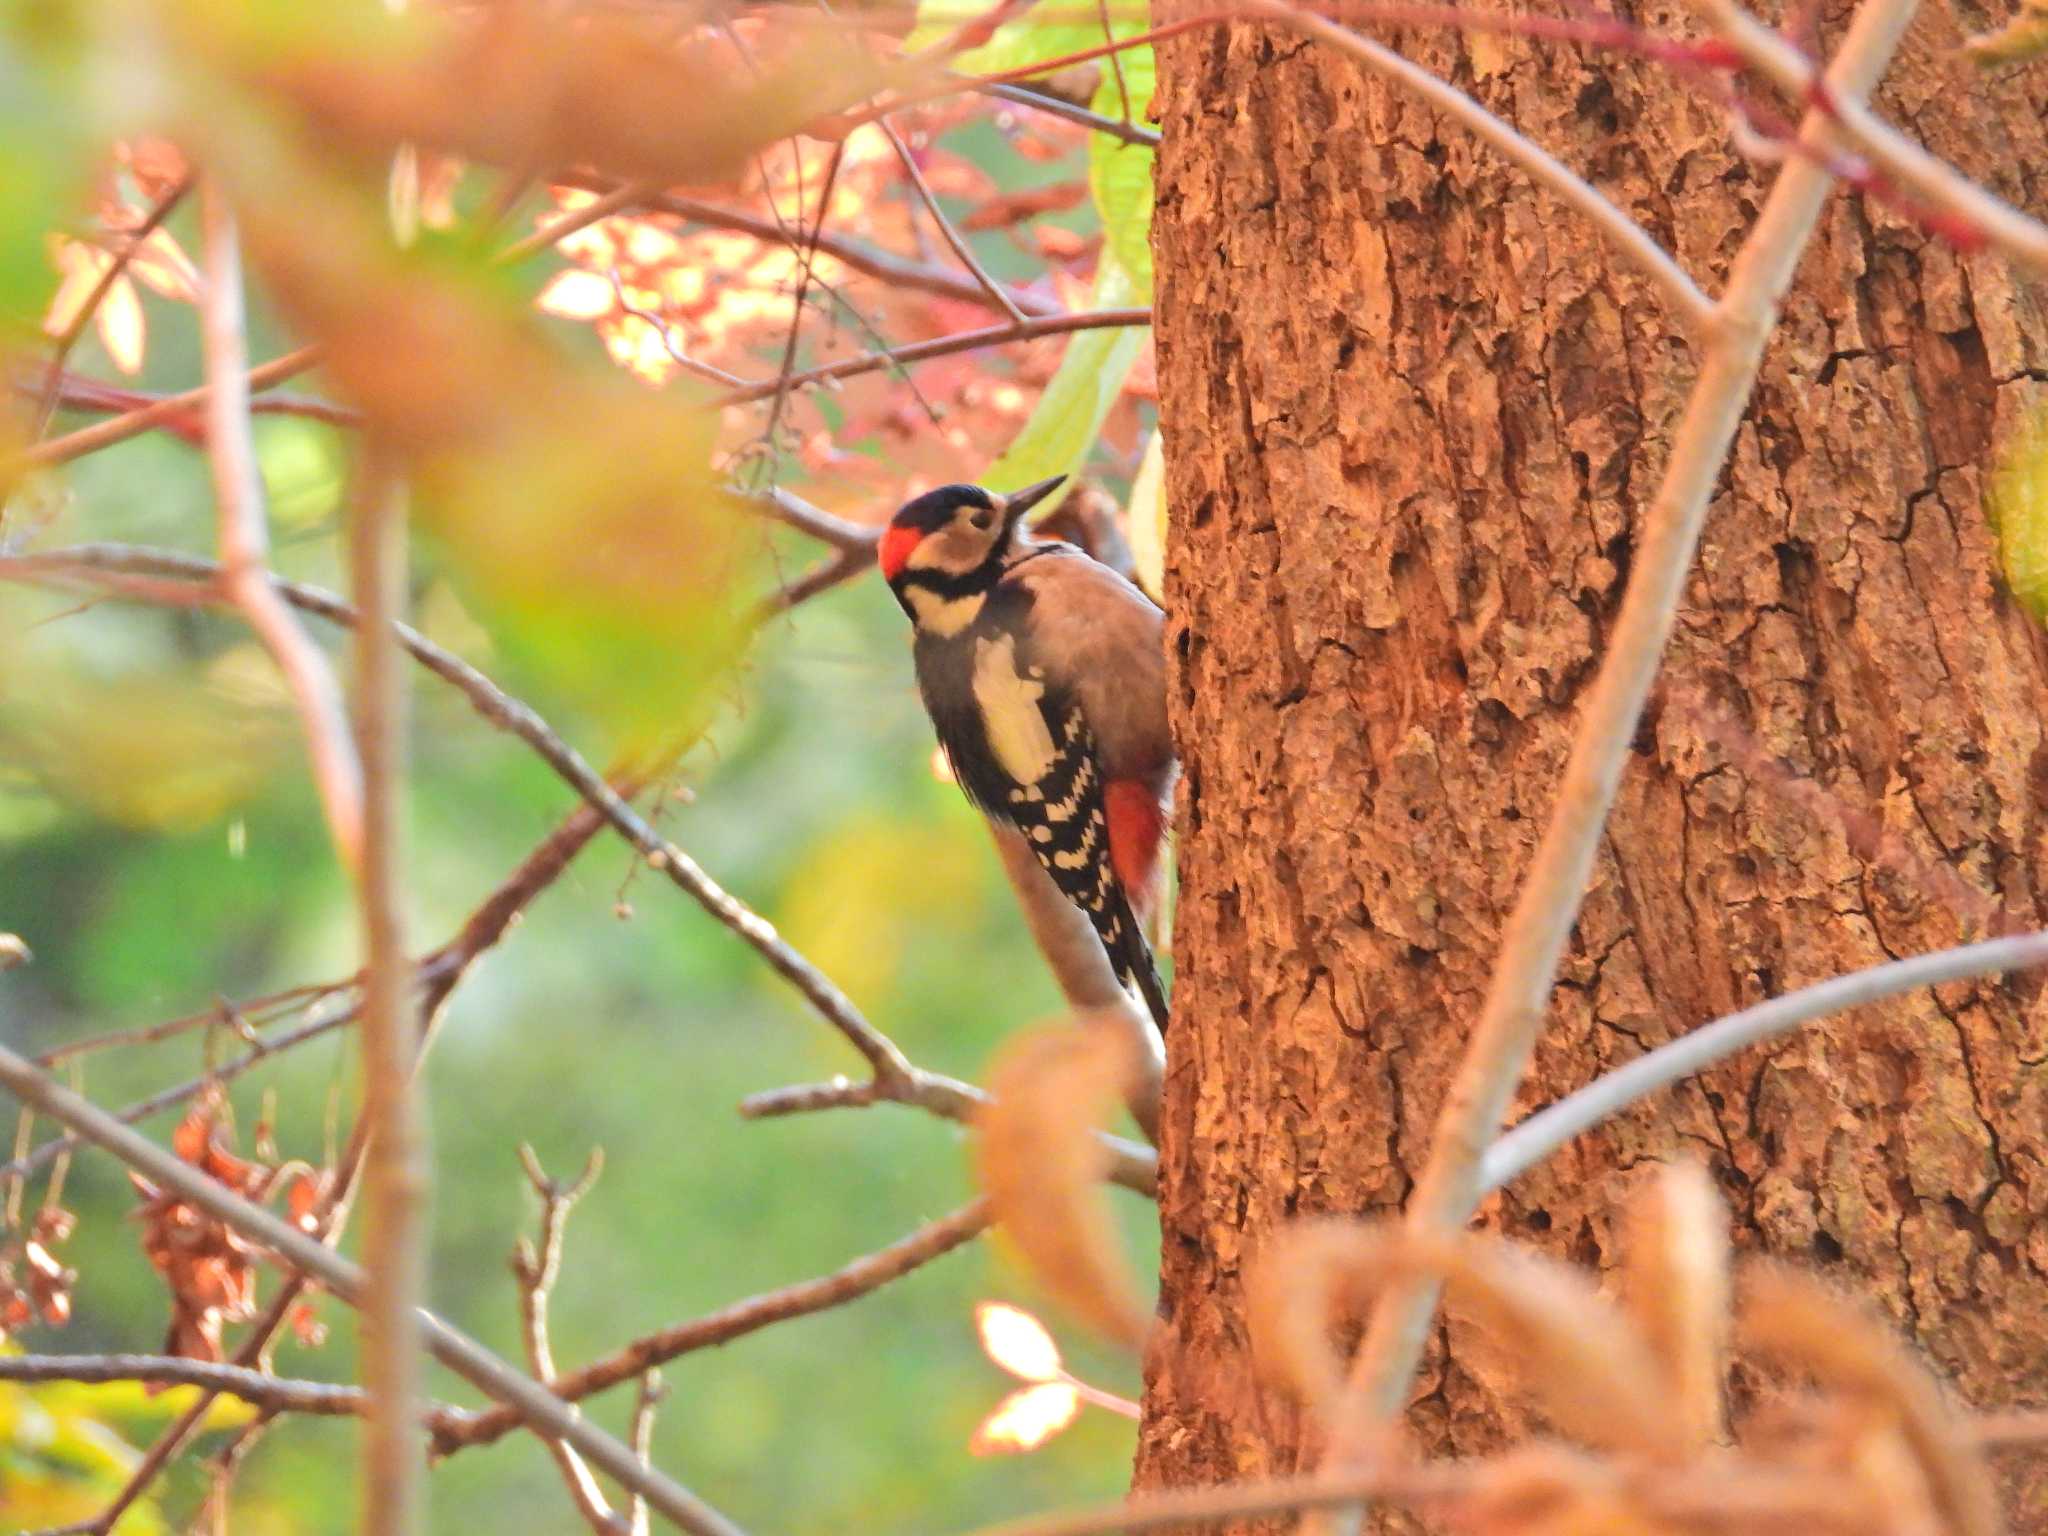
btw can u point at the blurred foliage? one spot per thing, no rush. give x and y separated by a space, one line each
67 1448
161 849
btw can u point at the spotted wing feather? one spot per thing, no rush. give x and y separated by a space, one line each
1045 779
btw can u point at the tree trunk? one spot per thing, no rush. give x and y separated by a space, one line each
1414 411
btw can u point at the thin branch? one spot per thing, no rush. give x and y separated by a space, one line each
1548 1129
869 1273
529 1402
259 1389
396 1180
245 538
1136 1168
1519 993
77 393
1690 308
535 1266
945 346
691 365
871 261
104 434
640 1435
1059 106
955 241
1689 1498
1972 209
616 200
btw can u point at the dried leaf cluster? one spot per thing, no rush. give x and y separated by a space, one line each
208 1267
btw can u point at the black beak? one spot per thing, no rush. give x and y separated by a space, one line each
1017 503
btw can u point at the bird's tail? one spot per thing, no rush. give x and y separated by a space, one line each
1130 956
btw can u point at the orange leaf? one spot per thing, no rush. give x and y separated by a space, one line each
1017 1341
1026 1419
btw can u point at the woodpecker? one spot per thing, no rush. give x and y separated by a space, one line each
1044 673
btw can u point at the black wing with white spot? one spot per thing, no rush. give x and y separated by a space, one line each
1022 751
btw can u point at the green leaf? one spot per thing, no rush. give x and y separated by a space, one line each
1069 415
1120 174
2017 501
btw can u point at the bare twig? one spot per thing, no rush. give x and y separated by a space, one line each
640 1435
1059 106
118 429
857 1279
530 1402
1548 905
955 241
1690 308
245 537
75 393
871 261
617 200
535 1266
1937 184
1548 1129
395 1192
259 1389
1695 1499
1136 1168
946 346
691 365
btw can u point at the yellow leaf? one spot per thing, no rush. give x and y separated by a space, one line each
1017 1341
1026 1419
81 266
121 326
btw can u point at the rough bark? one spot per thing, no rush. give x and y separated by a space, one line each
1413 413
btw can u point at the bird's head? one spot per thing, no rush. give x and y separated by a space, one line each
956 530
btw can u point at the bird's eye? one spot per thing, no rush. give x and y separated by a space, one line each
983 518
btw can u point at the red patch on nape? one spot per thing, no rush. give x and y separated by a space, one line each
1136 823
897 544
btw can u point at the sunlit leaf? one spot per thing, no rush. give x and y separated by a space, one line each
402 193
1041 1164
1069 415
2023 37
575 294
121 325
162 265
1017 1341
2017 501
1120 174
1145 519
1026 1419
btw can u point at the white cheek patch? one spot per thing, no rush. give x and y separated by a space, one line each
1017 732
943 616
